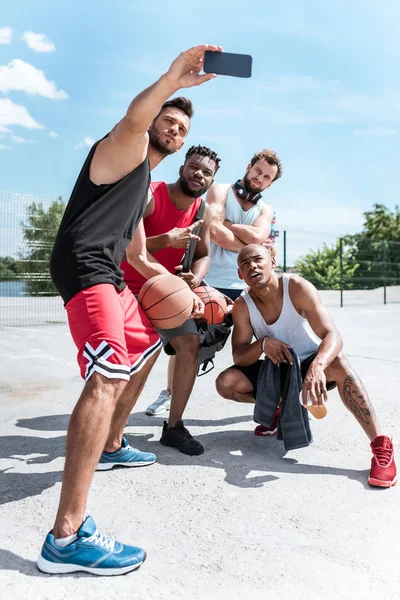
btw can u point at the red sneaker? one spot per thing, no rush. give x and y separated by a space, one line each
383 467
272 429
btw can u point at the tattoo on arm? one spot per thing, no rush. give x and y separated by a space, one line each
356 399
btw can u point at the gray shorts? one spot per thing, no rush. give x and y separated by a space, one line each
166 335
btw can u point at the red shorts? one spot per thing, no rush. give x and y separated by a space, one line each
112 333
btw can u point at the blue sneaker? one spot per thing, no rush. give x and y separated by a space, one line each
91 552
126 456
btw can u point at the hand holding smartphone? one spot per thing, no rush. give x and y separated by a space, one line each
226 63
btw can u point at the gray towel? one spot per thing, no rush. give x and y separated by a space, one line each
294 424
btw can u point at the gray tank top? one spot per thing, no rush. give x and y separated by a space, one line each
223 270
290 327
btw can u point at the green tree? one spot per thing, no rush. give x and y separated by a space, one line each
9 268
40 230
377 248
322 267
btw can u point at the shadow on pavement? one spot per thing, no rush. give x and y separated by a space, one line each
12 562
140 419
237 452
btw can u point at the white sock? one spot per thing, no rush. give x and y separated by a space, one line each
65 541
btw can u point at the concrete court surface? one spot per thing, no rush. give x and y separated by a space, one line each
243 520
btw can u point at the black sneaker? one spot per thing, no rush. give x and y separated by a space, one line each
179 437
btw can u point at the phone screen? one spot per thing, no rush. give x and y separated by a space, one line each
226 63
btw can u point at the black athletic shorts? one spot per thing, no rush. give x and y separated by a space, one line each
252 371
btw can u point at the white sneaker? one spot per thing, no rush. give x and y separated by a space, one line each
162 404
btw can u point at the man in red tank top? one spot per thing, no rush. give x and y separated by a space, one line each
169 221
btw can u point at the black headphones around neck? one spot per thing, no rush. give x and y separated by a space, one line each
244 194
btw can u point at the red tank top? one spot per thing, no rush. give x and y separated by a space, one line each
165 216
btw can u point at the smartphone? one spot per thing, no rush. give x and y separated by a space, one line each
226 63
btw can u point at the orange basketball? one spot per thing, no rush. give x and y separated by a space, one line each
166 300
215 306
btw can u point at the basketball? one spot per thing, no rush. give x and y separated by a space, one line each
167 300
215 306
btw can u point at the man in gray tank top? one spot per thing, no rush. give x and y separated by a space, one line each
285 312
240 217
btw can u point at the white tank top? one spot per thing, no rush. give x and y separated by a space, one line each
223 268
290 327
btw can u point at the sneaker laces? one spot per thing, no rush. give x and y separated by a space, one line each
383 455
101 540
183 431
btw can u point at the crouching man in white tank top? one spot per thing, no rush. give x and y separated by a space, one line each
283 311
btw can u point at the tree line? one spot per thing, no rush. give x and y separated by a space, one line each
368 259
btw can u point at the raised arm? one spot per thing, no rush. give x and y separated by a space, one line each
256 233
245 352
219 233
126 146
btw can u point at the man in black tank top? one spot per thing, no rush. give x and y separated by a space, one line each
116 342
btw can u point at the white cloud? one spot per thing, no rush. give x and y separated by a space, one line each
19 75
3 147
15 114
5 35
375 131
20 140
38 42
305 100
53 134
86 142
385 106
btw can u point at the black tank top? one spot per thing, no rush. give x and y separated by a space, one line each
96 228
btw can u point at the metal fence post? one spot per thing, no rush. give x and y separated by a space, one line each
284 251
384 270
341 271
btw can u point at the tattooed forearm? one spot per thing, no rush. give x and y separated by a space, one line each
356 399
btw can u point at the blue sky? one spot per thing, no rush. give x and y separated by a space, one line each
325 95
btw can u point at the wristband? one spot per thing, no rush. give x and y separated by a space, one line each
266 337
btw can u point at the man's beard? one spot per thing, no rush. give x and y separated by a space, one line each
189 192
161 147
249 187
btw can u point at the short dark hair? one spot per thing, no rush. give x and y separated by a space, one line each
271 158
204 151
183 104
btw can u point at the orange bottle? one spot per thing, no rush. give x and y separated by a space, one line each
318 412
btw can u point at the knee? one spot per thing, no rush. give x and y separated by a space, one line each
104 389
187 346
225 384
338 367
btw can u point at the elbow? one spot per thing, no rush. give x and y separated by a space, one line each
257 238
214 233
340 342
138 261
238 360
